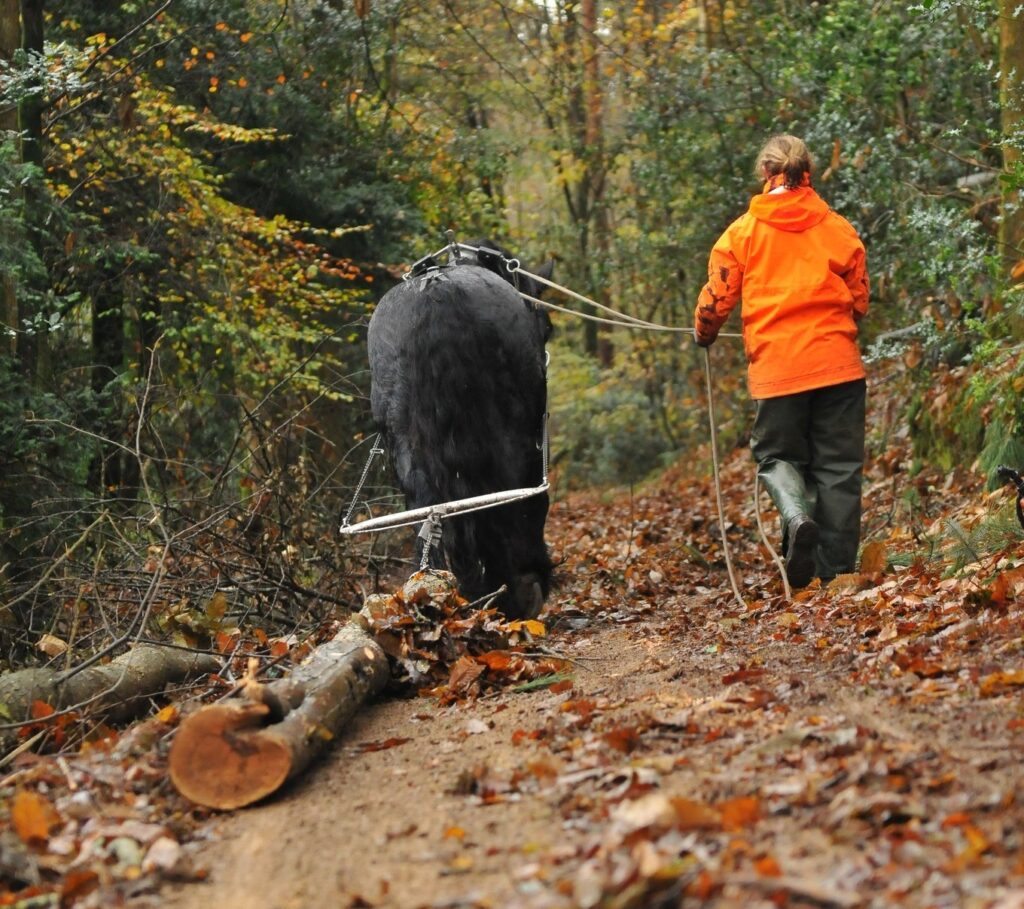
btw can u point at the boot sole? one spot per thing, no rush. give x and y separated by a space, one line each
800 555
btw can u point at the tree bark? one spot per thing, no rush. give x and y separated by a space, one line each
1011 104
10 41
117 691
234 753
108 352
32 346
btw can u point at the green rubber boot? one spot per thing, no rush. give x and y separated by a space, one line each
800 534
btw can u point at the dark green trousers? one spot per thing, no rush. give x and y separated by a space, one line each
809 449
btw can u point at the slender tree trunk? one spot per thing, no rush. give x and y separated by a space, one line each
108 345
599 341
32 346
712 17
1011 102
10 41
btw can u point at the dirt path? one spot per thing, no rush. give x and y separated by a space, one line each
858 747
412 824
678 770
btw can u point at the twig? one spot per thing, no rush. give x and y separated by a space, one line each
487 599
23 747
57 563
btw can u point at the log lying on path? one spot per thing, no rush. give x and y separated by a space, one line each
233 753
116 691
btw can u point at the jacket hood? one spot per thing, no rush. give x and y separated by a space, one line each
793 210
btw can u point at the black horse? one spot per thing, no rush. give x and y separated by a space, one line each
458 390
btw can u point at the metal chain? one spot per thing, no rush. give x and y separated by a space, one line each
430 533
374 451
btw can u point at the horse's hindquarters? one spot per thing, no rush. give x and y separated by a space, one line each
458 388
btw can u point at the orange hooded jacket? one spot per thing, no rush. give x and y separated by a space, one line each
800 270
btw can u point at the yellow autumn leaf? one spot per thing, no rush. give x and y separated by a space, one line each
532 626
997 682
168 714
51 645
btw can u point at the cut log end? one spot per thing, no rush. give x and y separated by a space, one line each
234 753
222 757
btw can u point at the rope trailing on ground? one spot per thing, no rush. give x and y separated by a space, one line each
718 483
764 538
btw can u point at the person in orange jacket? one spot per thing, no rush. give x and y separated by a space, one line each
799 269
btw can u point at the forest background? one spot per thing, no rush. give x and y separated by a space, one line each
199 204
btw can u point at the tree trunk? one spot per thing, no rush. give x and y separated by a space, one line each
10 41
108 345
599 343
32 346
1011 103
117 691
234 753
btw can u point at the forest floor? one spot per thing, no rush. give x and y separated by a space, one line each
857 746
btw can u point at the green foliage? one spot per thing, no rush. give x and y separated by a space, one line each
44 460
22 264
996 533
226 181
604 429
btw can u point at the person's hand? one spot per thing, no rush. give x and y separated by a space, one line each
701 341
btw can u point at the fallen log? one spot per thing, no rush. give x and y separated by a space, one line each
116 691
233 753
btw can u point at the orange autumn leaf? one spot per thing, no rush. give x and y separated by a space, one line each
534 627
766 866
33 816
999 590
225 641
624 738
41 710
465 671
583 707
874 558
454 833
78 884
691 815
498 660
740 813
367 747
742 675
543 769
704 886
998 682
977 842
